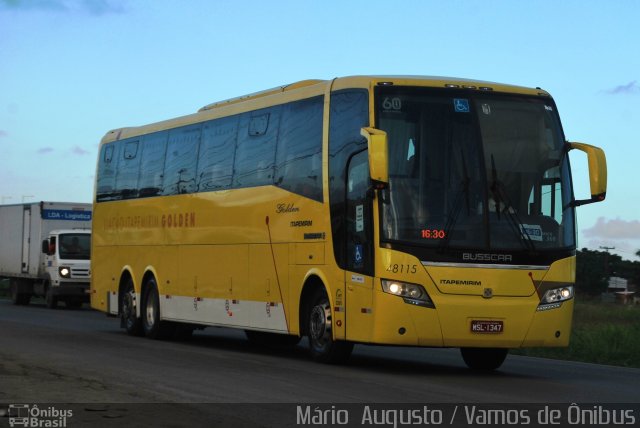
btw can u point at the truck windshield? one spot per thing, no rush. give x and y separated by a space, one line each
474 170
75 246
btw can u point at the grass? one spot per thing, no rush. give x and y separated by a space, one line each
603 333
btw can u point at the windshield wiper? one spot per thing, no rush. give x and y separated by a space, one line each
500 195
457 204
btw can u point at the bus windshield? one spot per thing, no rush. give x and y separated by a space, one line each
474 170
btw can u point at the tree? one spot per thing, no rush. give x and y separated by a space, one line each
591 272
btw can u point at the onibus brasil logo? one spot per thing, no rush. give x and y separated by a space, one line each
32 415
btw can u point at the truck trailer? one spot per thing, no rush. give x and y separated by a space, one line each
45 251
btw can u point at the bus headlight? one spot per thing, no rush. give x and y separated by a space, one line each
414 294
557 295
64 272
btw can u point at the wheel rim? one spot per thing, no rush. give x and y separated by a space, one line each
320 324
150 311
128 307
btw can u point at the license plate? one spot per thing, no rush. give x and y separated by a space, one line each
486 326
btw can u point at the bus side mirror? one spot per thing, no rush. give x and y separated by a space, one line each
597 172
378 155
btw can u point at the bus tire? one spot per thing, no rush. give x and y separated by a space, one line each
128 317
152 325
484 358
323 347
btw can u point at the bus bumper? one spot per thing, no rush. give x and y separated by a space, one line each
451 323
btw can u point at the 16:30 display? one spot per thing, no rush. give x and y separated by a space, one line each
432 234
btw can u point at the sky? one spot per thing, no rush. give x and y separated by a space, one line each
70 70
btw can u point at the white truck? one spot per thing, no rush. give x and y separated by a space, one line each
45 251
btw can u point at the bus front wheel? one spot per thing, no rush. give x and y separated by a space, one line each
324 348
484 358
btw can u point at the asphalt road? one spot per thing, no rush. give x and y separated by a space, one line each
82 356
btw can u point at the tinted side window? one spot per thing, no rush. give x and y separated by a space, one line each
215 165
128 168
181 160
349 112
106 183
256 148
154 147
299 154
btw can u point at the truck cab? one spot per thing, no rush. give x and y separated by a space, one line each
66 266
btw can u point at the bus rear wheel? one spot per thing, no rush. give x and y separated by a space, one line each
324 348
484 358
128 317
152 325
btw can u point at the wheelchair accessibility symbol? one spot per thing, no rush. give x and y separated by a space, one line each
461 105
357 257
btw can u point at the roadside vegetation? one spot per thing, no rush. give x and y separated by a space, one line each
603 333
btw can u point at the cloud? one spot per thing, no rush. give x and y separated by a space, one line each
77 150
45 150
629 88
93 7
616 229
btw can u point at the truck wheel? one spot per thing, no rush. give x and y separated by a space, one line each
128 318
72 303
18 298
324 348
153 327
50 300
484 358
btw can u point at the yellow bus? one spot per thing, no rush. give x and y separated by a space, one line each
412 211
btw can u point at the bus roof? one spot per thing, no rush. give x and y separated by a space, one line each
312 87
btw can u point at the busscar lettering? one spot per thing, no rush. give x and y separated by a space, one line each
486 257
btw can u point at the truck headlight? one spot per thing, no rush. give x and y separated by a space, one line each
414 294
64 272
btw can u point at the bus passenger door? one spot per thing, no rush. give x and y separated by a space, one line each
359 246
